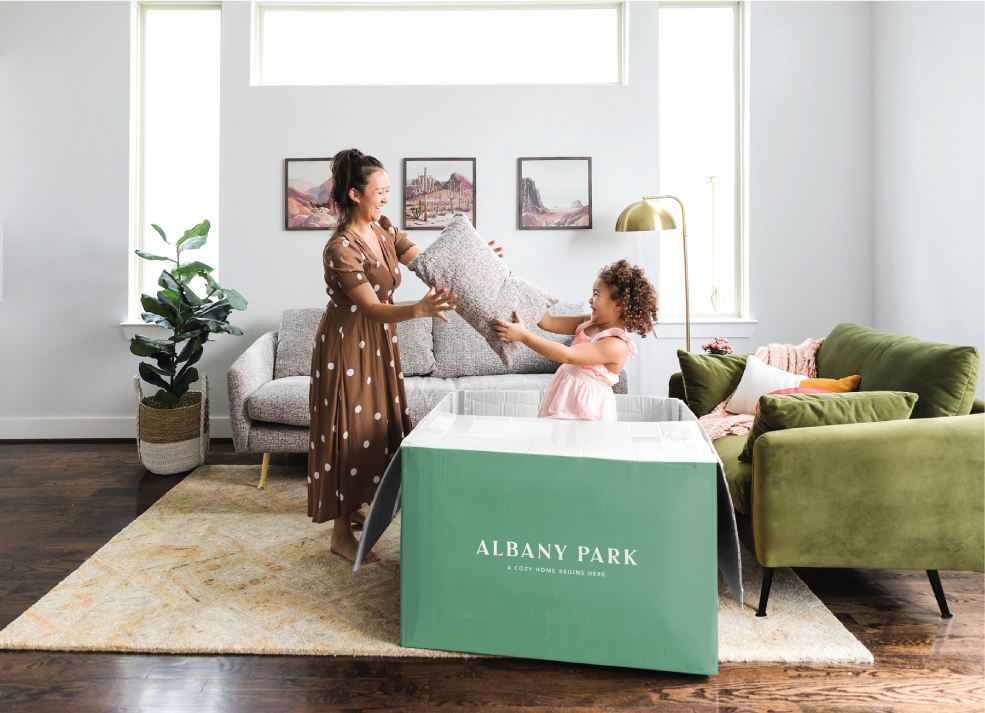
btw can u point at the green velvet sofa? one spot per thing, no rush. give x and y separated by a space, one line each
892 495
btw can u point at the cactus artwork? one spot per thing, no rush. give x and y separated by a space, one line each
435 189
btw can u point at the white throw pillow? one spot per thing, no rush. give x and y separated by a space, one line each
758 380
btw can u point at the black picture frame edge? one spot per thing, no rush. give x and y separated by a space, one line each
287 220
519 199
403 188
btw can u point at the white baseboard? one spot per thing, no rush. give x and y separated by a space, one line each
88 427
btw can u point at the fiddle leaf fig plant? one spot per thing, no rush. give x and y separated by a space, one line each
191 319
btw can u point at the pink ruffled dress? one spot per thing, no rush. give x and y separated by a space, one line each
584 392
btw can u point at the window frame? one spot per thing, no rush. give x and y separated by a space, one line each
740 317
256 19
134 323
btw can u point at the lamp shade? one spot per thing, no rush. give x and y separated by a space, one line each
644 215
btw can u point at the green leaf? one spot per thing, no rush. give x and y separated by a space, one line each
145 346
165 398
236 300
182 381
148 374
191 269
170 296
190 332
160 232
190 296
158 306
193 244
230 329
167 281
214 311
156 319
158 370
210 281
193 345
151 256
202 229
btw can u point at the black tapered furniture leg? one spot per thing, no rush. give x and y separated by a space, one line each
935 583
764 592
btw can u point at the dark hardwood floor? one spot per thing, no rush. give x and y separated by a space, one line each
61 501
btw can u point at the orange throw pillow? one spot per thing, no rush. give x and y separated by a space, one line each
839 386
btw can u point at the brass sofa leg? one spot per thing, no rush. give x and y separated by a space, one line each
263 471
764 592
935 583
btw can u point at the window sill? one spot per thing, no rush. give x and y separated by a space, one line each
132 329
706 328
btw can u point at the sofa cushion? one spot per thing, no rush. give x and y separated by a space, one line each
423 394
416 345
737 474
759 379
461 261
460 351
943 375
709 379
507 382
296 341
281 401
780 412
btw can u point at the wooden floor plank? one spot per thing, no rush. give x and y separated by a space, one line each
61 501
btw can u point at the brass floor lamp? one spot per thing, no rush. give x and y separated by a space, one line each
649 216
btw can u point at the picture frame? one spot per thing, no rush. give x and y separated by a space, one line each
554 193
307 194
437 188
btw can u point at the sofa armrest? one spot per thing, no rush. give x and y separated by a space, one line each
253 369
978 406
890 495
675 389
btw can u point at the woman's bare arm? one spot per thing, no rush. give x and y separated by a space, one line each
561 325
434 304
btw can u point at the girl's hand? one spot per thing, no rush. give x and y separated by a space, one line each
498 251
510 331
435 304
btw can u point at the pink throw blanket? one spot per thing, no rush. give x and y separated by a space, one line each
794 359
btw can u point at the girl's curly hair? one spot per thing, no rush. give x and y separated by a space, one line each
629 287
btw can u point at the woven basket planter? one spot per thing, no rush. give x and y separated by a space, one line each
173 440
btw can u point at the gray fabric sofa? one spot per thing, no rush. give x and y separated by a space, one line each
268 384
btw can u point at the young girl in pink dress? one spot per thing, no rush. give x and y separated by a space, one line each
622 300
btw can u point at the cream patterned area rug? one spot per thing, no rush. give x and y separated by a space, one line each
217 566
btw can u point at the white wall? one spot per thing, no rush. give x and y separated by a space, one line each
929 88
65 367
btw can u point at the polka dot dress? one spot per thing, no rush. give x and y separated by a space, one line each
355 379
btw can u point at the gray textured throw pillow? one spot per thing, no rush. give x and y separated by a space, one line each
459 350
461 261
296 341
416 345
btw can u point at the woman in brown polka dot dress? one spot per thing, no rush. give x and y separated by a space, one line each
358 404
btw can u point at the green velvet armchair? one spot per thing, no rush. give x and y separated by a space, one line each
892 495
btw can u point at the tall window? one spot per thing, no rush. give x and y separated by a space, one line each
178 125
699 155
432 43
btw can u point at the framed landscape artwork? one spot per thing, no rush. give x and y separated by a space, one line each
307 194
437 188
554 193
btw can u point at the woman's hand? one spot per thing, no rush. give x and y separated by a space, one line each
435 303
510 331
498 251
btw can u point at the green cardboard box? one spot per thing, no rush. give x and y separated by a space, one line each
565 540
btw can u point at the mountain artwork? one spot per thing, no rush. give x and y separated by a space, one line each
307 193
554 193
435 189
